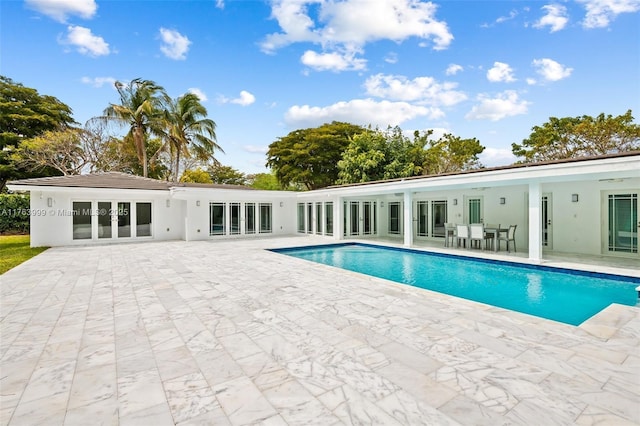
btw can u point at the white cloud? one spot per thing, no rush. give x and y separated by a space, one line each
99 81
425 90
256 149
61 9
244 99
333 61
550 70
511 15
505 104
493 157
601 12
556 18
391 58
175 45
339 25
220 4
453 69
359 111
500 72
85 42
199 93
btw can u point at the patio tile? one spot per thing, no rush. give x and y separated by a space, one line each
225 332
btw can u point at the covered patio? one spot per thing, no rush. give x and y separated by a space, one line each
570 207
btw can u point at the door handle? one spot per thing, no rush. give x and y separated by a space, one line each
548 223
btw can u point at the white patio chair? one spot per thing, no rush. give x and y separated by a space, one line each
510 237
462 234
476 231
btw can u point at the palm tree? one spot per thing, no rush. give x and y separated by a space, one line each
187 131
139 108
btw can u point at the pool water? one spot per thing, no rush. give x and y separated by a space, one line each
561 295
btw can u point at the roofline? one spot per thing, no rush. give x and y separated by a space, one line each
490 169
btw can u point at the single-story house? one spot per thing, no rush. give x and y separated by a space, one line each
581 206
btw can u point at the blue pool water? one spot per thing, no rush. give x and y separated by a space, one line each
558 294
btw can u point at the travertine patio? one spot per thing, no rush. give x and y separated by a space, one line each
225 332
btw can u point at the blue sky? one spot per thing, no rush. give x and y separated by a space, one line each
485 69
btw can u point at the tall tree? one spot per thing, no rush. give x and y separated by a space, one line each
310 156
25 114
140 110
196 176
226 175
61 150
187 130
378 155
451 154
571 137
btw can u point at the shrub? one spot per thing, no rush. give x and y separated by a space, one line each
14 214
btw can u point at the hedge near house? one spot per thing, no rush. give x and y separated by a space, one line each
14 214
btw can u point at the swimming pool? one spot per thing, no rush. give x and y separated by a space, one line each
561 295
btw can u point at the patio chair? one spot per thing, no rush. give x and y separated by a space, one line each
462 234
449 233
509 237
476 231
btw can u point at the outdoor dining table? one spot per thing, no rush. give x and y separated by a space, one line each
496 234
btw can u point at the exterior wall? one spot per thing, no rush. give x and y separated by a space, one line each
578 227
53 225
196 218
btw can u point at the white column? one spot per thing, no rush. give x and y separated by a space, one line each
535 218
338 220
408 219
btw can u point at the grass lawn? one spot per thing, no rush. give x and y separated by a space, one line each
14 249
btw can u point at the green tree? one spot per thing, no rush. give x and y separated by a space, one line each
196 176
310 156
226 175
572 137
139 110
25 114
269 182
377 155
119 155
451 154
61 150
187 130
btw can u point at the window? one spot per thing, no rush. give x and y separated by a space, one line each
250 218
344 218
623 219
318 218
309 218
423 216
301 218
474 210
394 218
104 219
216 219
82 220
328 218
265 217
438 217
143 219
369 214
124 220
355 218
234 213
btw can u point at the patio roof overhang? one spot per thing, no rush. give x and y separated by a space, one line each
606 169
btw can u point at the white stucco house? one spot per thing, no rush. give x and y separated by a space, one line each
581 206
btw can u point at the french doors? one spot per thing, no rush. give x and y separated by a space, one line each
431 218
105 220
621 223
